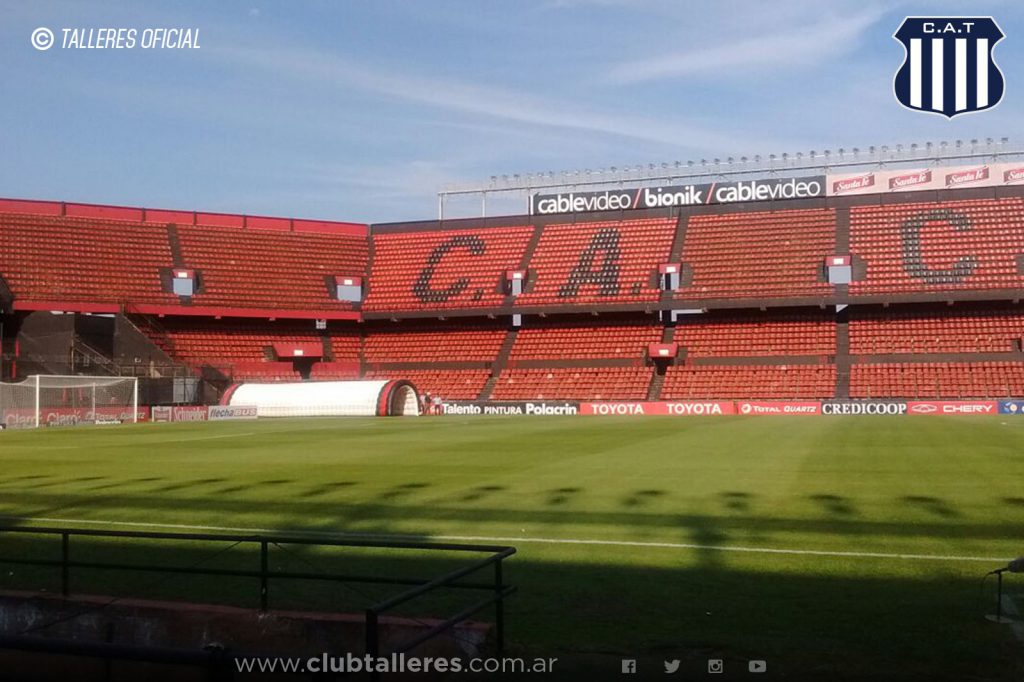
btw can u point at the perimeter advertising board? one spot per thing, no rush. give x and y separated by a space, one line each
189 413
686 408
70 416
1011 407
677 408
952 407
193 413
226 412
864 407
534 408
778 407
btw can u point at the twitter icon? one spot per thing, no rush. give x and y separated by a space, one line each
671 666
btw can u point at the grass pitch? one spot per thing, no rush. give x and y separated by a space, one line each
633 533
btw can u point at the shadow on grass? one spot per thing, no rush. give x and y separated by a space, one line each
641 498
184 485
932 505
391 505
736 501
327 488
402 490
480 492
810 624
836 505
560 496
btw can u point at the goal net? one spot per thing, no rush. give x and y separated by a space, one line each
42 400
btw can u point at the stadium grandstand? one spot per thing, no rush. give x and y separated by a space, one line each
333 346
534 307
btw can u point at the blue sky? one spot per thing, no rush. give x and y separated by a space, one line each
363 110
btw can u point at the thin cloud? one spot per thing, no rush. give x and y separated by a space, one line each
804 45
485 101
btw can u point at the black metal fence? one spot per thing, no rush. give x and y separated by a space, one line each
494 589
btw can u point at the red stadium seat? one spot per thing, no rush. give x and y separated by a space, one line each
464 343
199 341
573 383
779 382
953 380
268 269
436 270
66 260
756 335
334 371
758 254
575 341
938 246
448 384
606 262
931 330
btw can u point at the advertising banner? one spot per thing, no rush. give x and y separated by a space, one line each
536 408
226 412
1011 407
915 180
162 413
672 408
864 407
680 408
779 407
70 416
952 407
189 413
670 196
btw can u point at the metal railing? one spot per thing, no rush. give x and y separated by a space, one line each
496 590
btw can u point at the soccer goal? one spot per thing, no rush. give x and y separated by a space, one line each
44 400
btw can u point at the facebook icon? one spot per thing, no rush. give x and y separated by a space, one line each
628 666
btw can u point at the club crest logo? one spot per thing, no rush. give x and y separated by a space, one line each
949 69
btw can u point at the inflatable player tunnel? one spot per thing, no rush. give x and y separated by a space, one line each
387 398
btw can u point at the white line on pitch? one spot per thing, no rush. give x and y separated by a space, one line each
485 538
189 440
160 441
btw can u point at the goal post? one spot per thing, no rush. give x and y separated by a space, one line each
50 400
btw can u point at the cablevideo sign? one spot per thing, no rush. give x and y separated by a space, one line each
771 189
